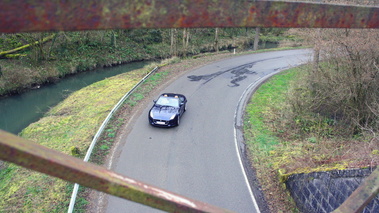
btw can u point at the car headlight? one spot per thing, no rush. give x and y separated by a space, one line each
151 114
172 116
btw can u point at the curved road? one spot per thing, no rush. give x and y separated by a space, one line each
198 159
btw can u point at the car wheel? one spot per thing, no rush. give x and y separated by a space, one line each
185 107
178 121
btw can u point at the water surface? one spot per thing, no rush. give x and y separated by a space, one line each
17 112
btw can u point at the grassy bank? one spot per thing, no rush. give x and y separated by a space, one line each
73 123
70 124
282 144
261 122
19 75
71 52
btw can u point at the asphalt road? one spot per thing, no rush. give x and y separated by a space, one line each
199 159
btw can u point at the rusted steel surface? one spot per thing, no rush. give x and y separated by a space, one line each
54 15
362 196
39 158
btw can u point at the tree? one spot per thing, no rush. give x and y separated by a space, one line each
345 86
186 35
113 39
173 46
33 43
316 50
216 40
256 38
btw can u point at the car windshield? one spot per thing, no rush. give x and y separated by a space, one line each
167 101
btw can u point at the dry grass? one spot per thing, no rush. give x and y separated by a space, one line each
72 123
283 144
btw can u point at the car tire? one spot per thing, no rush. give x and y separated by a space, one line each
185 107
178 121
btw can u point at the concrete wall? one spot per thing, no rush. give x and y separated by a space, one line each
325 191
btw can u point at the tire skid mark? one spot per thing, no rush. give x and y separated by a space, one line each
238 73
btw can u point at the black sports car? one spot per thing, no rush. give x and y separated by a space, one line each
167 110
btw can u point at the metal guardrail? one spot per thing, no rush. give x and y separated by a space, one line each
56 15
100 131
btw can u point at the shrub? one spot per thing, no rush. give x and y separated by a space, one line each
74 151
345 86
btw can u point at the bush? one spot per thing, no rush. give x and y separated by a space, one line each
345 86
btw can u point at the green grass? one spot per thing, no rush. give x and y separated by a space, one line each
280 146
261 125
73 123
266 100
276 138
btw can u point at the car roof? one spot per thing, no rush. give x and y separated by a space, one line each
172 95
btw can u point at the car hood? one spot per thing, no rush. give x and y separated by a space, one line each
163 112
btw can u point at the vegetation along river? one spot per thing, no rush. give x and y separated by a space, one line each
18 111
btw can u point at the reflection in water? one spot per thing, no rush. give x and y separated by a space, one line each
17 112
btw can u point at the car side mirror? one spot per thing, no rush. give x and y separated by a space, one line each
154 101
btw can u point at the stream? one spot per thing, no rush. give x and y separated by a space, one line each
18 111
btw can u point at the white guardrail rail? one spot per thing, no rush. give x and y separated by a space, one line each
100 131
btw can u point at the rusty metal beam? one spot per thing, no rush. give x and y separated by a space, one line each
39 158
362 196
56 15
